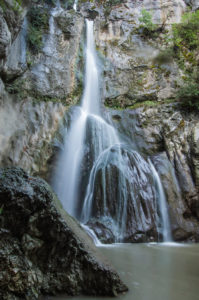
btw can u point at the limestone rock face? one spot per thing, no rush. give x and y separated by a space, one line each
5 37
131 72
194 4
53 72
32 84
26 133
44 250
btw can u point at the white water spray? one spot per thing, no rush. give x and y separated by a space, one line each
23 42
75 5
50 41
166 230
92 234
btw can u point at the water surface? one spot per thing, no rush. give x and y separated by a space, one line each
154 271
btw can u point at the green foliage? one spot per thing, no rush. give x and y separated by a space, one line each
50 2
148 27
43 2
111 3
1 210
186 34
39 98
188 95
147 103
146 19
144 104
38 23
15 5
104 2
2 4
34 39
67 4
186 45
38 17
165 56
16 87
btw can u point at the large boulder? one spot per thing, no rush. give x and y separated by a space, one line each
42 249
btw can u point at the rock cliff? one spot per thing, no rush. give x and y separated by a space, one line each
40 76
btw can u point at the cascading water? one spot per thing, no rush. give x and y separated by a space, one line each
119 192
23 42
75 5
166 229
50 42
74 146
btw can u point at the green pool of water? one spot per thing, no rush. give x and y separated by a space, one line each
154 271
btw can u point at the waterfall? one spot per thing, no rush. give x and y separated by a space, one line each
166 230
50 42
92 234
75 5
53 13
74 147
101 180
23 42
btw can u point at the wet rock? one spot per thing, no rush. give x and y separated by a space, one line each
170 137
124 198
90 11
66 22
57 71
181 235
195 153
44 250
131 72
181 208
5 37
15 63
103 233
2 92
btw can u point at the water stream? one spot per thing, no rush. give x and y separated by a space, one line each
23 42
103 181
165 223
75 5
50 41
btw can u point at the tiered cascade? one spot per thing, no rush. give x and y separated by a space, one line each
102 181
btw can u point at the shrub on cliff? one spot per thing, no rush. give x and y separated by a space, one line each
186 45
188 94
148 28
186 33
38 23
